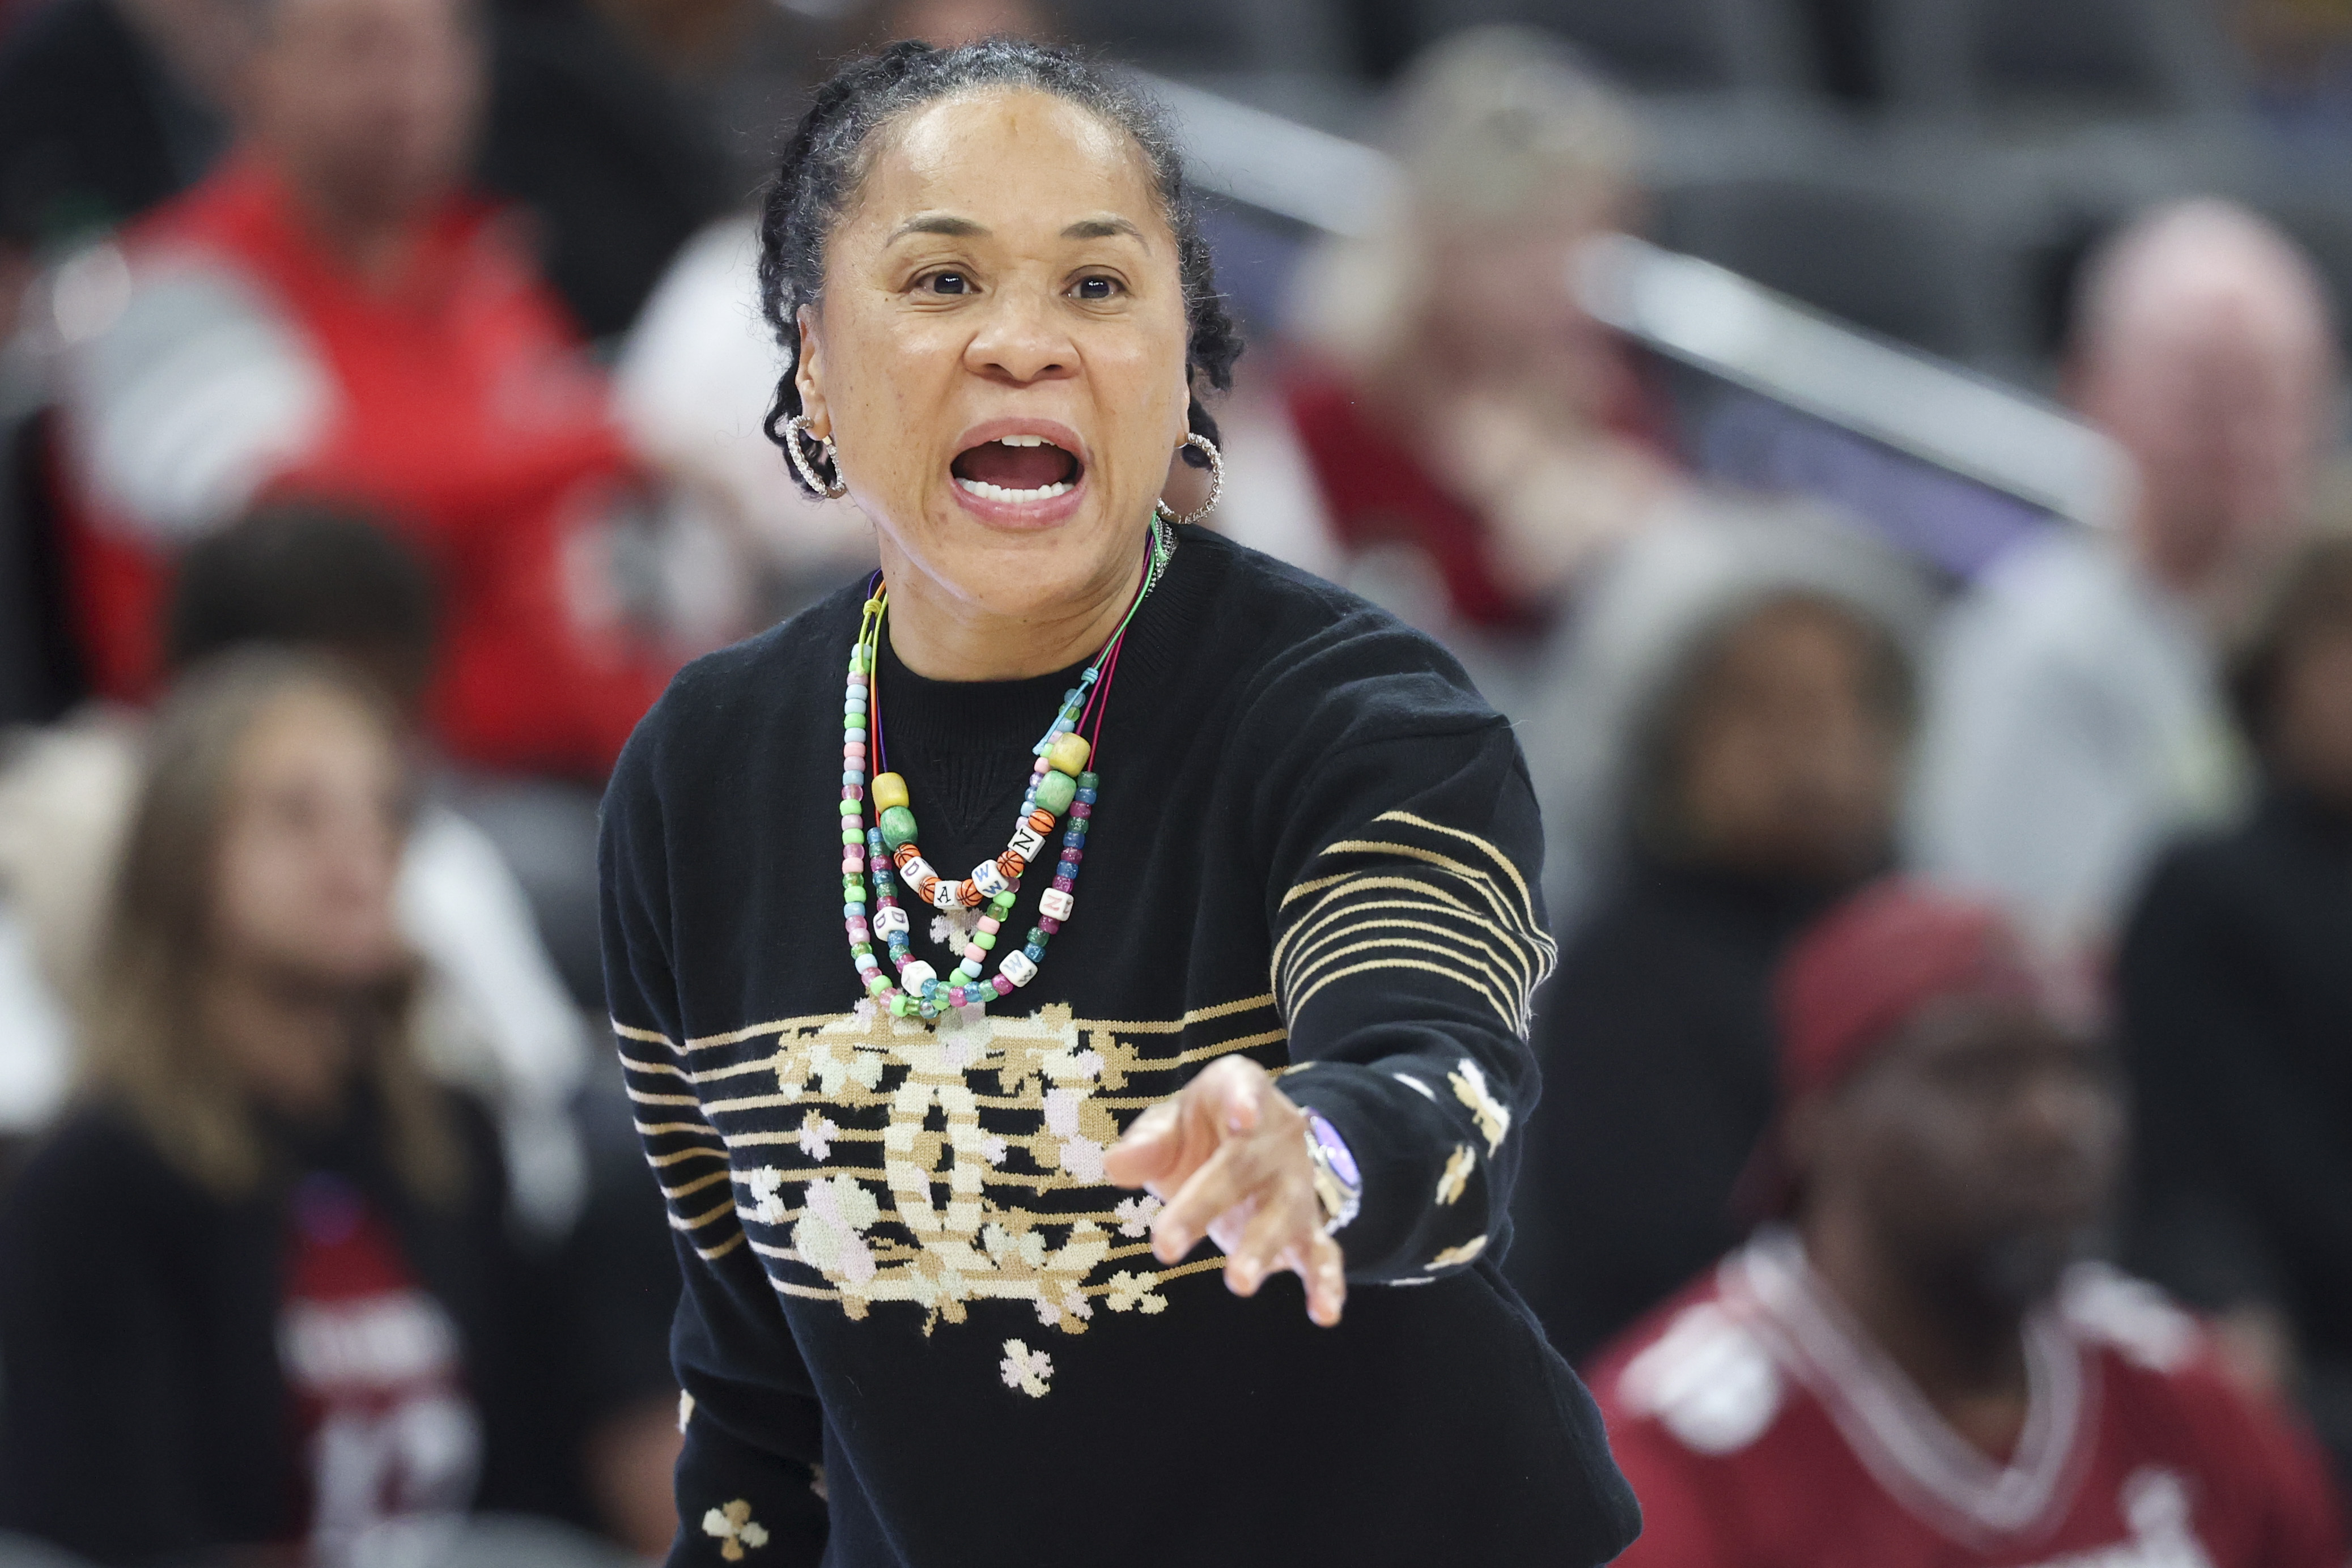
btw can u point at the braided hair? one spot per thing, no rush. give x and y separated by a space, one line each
829 154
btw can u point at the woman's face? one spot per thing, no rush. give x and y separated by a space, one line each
310 848
999 355
1503 314
1787 767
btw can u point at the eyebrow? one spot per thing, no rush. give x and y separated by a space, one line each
965 228
1104 229
938 224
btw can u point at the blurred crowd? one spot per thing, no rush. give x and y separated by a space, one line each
1951 1002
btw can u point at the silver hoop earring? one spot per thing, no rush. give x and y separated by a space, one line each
1216 481
796 431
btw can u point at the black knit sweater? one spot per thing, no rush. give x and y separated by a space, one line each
918 1327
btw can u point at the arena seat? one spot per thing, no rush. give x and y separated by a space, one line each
2067 60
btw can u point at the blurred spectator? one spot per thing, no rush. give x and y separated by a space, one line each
500 1020
305 1322
1917 1370
110 107
2236 1008
495 1016
327 313
1453 418
2075 720
1762 784
1600 692
491 856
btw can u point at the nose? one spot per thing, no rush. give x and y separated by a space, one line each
2064 1118
362 855
1019 341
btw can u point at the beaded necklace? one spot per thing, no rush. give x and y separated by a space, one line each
1058 782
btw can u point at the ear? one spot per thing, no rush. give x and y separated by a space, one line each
809 374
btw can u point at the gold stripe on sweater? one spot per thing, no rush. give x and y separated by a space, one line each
1406 905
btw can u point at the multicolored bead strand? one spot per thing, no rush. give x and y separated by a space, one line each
1059 783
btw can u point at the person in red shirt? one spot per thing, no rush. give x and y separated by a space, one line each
331 314
1917 1369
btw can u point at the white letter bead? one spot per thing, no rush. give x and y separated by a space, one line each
913 873
988 879
1017 968
1055 905
1027 842
890 922
915 976
946 894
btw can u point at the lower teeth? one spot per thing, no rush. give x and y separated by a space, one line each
982 488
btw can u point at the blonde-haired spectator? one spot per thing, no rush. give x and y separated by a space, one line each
1455 434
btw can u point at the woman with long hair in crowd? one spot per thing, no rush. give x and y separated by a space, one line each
255 1290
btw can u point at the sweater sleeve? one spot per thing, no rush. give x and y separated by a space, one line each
752 1471
1408 938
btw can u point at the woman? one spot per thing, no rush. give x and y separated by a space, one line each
1763 783
922 1324
255 1293
1451 410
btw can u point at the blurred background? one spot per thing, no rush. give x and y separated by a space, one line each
1844 436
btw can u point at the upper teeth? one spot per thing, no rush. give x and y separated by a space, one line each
999 493
1022 441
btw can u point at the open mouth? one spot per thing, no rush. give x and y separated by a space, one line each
1015 469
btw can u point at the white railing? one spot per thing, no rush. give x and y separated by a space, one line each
1700 314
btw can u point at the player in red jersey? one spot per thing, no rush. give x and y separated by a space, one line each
1916 1369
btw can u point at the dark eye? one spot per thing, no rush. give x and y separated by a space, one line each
1096 288
949 283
